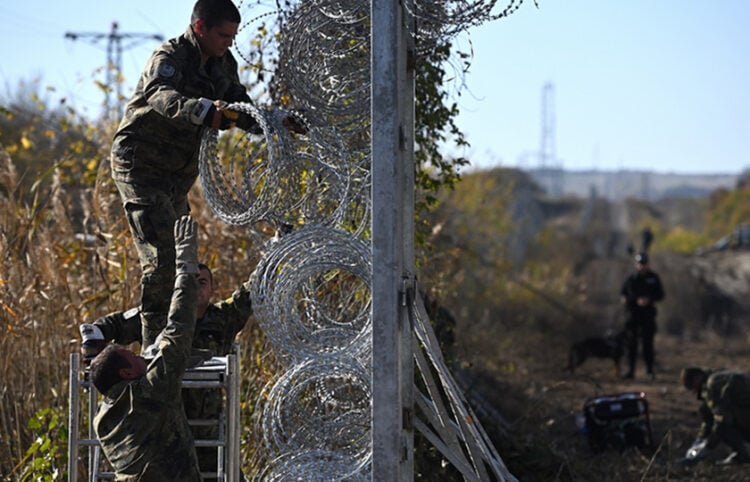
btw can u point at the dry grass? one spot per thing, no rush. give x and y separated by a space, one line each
519 373
67 258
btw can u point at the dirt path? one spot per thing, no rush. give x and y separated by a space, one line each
673 416
550 400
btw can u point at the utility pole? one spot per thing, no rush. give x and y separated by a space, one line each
114 58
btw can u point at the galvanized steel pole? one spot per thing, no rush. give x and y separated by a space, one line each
392 100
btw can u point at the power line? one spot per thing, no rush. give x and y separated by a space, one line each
114 57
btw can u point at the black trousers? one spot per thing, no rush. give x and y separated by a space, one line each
643 330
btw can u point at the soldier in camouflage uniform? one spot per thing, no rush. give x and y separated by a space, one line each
725 411
183 90
215 330
141 424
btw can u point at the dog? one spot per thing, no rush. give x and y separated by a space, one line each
610 346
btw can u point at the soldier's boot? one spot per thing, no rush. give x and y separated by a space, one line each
733 437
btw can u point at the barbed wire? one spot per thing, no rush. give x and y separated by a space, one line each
320 404
312 287
324 59
311 294
440 20
275 176
313 466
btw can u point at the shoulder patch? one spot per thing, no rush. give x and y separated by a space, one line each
166 70
131 313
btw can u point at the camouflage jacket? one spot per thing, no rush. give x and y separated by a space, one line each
141 424
214 331
726 400
156 140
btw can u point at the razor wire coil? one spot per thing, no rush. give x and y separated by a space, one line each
311 287
311 293
275 176
320 404
313 466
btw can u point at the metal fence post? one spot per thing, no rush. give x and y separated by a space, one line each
392 101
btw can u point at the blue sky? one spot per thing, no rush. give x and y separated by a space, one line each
659 85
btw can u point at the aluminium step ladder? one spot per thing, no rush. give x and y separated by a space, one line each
219 373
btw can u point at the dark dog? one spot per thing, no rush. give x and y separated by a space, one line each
609 346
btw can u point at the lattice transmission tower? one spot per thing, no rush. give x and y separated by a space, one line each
549 166
113 80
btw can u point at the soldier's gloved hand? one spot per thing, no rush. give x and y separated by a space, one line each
213 114
153 349
92 341
186 245
292 121
696 452
247 123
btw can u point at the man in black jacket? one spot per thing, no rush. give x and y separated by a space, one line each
640 291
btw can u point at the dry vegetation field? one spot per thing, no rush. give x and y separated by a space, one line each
66 259
521 375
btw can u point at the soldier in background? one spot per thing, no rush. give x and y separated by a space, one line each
725 412
184 88
141 424
639 292
216 327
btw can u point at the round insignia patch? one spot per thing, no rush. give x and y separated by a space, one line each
166 70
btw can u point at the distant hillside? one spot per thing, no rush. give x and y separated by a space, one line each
622 184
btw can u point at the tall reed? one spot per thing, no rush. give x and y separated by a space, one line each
66 257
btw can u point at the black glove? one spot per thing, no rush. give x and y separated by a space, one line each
247 123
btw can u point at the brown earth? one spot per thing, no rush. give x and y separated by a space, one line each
511 350
539 402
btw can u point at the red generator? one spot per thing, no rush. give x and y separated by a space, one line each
618 422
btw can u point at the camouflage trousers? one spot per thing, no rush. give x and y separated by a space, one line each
151 212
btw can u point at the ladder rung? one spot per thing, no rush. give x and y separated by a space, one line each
209 443
203 423
88 442
201 384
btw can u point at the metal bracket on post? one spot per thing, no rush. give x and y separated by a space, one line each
407 418
405 291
